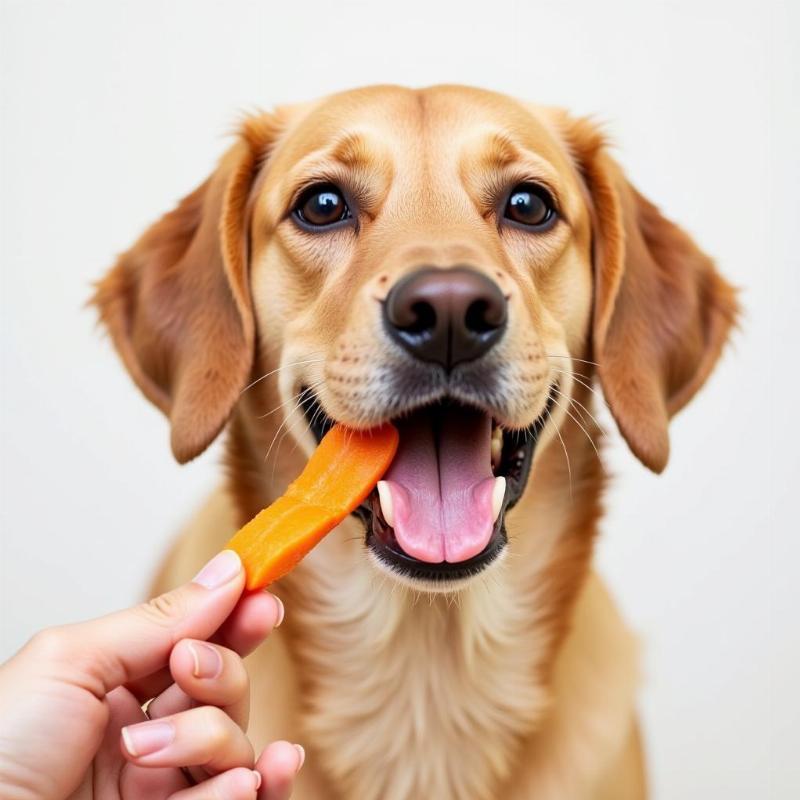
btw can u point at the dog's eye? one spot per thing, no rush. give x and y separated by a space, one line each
531 205
321 205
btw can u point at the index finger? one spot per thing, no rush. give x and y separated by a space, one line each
131 644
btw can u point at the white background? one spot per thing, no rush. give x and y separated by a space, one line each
112 111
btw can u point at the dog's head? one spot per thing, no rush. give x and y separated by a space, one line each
443 258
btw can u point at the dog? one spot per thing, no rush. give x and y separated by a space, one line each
476 269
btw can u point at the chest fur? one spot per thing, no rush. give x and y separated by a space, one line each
418 696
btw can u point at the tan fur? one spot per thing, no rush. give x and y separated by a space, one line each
521 683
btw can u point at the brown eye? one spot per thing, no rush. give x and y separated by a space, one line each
321 205
531 205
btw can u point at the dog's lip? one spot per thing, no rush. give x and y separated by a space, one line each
515 465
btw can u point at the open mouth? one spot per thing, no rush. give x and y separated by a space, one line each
439 512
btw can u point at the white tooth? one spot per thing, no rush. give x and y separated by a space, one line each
385 497
497 446
498 493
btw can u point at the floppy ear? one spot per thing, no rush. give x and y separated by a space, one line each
662 312
177 304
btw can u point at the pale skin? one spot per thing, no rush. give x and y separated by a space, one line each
72 724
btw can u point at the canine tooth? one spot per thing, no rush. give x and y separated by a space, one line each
497 446
385 498
498 493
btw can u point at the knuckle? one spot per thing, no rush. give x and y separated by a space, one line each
217 728
164 609
51 644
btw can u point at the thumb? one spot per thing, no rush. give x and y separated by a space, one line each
131 644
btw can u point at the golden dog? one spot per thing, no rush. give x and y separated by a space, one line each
469 266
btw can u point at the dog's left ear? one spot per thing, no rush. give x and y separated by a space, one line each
662 312
177 304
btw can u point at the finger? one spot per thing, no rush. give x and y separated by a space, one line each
279 764
253 619
204 736
212 675
173 700
235 784
205 674
130 644
115 777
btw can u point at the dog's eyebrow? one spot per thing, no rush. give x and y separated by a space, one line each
351 151
500 150
501 158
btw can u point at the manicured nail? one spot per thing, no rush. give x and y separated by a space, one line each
224 567
207 660
146 738
302 754
280 610
258 779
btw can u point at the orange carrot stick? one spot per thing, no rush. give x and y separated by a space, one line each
340 474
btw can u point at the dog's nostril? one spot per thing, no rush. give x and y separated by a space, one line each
424 318
482 318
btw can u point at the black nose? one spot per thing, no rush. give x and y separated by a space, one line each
447 316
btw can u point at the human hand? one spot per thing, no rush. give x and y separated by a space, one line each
72 723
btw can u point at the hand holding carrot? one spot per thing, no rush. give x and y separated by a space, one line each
72 723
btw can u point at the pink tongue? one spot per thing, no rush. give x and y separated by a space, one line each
441 485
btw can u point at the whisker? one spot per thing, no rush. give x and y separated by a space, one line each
570 401
307 392
291 399
280 405
587 378
578 403
566 454
577 376
318 412
288 430
567 412
572 358
280 427
282 367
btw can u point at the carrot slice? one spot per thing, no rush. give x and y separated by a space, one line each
338 477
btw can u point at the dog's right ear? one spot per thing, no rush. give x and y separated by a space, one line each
177 304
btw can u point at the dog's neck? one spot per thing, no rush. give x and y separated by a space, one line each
429 675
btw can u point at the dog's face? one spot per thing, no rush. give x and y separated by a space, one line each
425 258
439 258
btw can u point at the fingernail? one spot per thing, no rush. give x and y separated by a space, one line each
280 610
224 567
207 660
258 779
147 737
302 754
